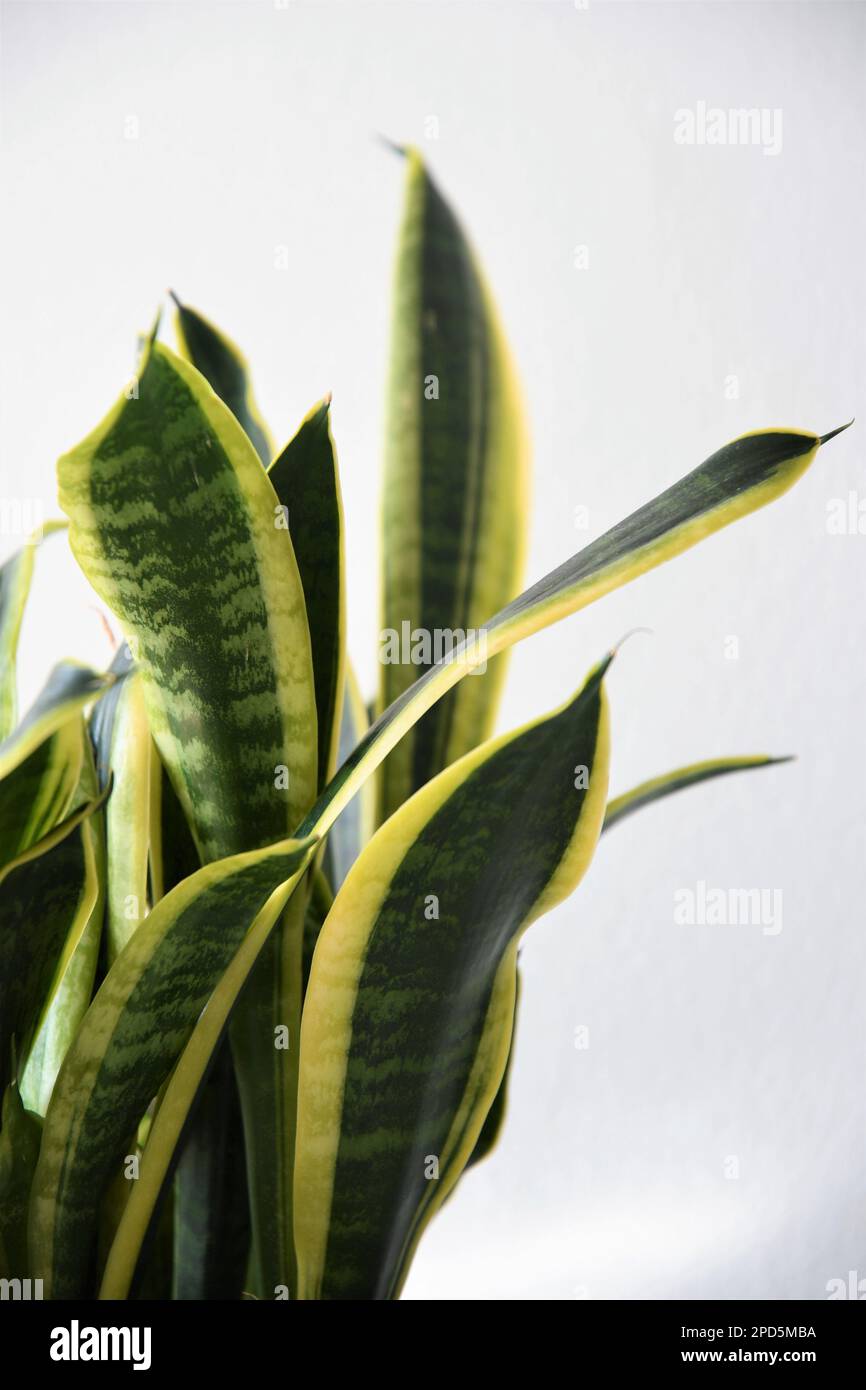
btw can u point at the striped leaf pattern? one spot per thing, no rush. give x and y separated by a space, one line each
408 1012
454 516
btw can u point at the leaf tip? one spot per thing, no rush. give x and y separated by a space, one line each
825 438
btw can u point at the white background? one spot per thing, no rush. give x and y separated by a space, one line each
256 130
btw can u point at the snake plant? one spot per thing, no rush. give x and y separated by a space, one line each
258 950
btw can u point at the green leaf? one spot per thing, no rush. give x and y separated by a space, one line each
19 1149
128 815
491 1130
224 366
306 481
212 1221
68 690
178 528
38 793
173 521
455 506
130 1038
173 853
623 553
658 787
620 555
75 973
46 897
408 1012
621 806
741 477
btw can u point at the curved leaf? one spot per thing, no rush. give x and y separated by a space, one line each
407 1016
658 787
606 567
38 793
68 690
643 795
743 476
623 553
454 516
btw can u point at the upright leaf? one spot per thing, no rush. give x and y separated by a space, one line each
178 528
75 973
455 505
408 1012
224 366
306 481
212 1220
128 816
174 523
622 554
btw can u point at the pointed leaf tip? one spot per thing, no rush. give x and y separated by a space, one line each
825 438
391 144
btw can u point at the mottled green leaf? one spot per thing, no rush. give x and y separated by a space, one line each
174 522
407 1016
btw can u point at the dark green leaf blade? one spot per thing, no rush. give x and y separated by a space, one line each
454 515
411 994
307 483
224 366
